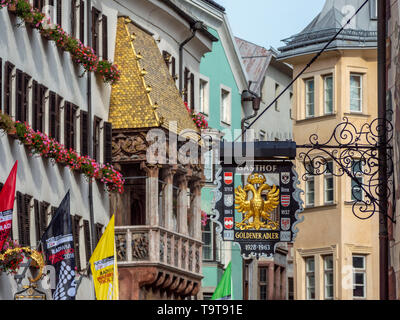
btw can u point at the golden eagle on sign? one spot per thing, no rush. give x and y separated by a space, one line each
257 208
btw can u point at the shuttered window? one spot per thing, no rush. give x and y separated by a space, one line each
8 69
23 218
38 103
186 85
41 209
69 125
107 143
55 115
84 121
82 21
22 96
104 37
99 231
86 233
96 138
192 91
76 234
95 29
73 18
59 12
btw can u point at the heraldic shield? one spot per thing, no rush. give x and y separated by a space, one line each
257 205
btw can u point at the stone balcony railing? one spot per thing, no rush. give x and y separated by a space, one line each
157 246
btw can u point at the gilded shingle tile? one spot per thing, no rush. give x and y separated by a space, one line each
146 92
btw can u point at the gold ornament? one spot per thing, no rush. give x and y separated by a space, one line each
37 260
257 208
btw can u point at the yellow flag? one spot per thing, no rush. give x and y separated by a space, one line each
103 264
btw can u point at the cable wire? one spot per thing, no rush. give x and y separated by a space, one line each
304 69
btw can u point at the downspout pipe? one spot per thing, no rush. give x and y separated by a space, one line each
383 168
90 127
194 28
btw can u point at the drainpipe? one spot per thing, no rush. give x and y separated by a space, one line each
383 169
90 127
194 28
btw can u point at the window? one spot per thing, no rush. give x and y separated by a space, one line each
98 231
208 166
76 236
310 187
262 134
70 111
84 122
328 277
96 138
310 278
328 183
290 289
104 37
263 283
55 115
8 79
73 17
22 97
38 104
204 103
95 30
208 241
359 276
59 13
38 4
86 234
356 191
23 214
355 92
310 108
328 94
225 107
373 8
276 95
107 144
82 21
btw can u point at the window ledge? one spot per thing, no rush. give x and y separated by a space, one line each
317 118
357 114
327 206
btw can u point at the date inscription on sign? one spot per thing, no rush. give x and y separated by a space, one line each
257 206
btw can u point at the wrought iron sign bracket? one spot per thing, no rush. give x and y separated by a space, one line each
356 153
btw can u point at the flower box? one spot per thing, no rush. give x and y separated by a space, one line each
12 8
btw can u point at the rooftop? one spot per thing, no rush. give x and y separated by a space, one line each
360 33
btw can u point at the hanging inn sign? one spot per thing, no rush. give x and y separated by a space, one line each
257 201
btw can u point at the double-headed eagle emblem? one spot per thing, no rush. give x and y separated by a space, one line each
257 208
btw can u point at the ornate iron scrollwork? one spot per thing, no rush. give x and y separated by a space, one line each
355 153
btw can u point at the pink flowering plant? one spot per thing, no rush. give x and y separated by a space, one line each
199 119
12 261
204 218
41 144
81 54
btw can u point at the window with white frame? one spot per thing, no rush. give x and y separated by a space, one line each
328 277
310 186
328 94
329 183
204 102
310 94
359 276
356 92
356 191
310 278
208 240
225 106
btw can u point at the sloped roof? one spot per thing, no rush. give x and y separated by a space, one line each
146 95
361 33
256 59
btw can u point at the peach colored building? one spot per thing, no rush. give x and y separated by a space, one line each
336 255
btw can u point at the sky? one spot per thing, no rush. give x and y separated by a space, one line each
267 22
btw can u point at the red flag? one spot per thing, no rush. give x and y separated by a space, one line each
7 195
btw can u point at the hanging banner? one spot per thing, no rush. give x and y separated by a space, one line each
7 195
58 246
257 205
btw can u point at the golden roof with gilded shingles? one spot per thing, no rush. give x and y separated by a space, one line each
146 95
